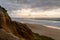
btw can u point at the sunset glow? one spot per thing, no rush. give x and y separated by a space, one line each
28 13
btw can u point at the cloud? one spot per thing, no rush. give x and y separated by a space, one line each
35 5
41 4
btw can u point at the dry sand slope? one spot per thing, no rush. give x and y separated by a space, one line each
42 30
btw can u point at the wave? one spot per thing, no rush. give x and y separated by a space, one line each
47 23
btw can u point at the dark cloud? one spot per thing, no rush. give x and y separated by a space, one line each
40 4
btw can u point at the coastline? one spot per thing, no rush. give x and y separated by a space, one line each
53 27
47 23
43 30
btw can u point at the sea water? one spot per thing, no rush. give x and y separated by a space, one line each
49 23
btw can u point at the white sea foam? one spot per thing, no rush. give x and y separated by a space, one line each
54 27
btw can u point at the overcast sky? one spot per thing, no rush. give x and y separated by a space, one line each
43 8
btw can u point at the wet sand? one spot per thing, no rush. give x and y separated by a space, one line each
47 31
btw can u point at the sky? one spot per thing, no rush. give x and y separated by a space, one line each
32 8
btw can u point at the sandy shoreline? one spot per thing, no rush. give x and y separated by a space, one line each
42 30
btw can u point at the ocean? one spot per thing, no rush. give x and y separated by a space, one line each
48 23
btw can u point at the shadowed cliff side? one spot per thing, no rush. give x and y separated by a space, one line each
12 30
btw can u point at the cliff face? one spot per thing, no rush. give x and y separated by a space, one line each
12 30
18 29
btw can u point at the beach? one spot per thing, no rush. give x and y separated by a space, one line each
47 31
43 27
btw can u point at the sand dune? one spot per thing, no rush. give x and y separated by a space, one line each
42 30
